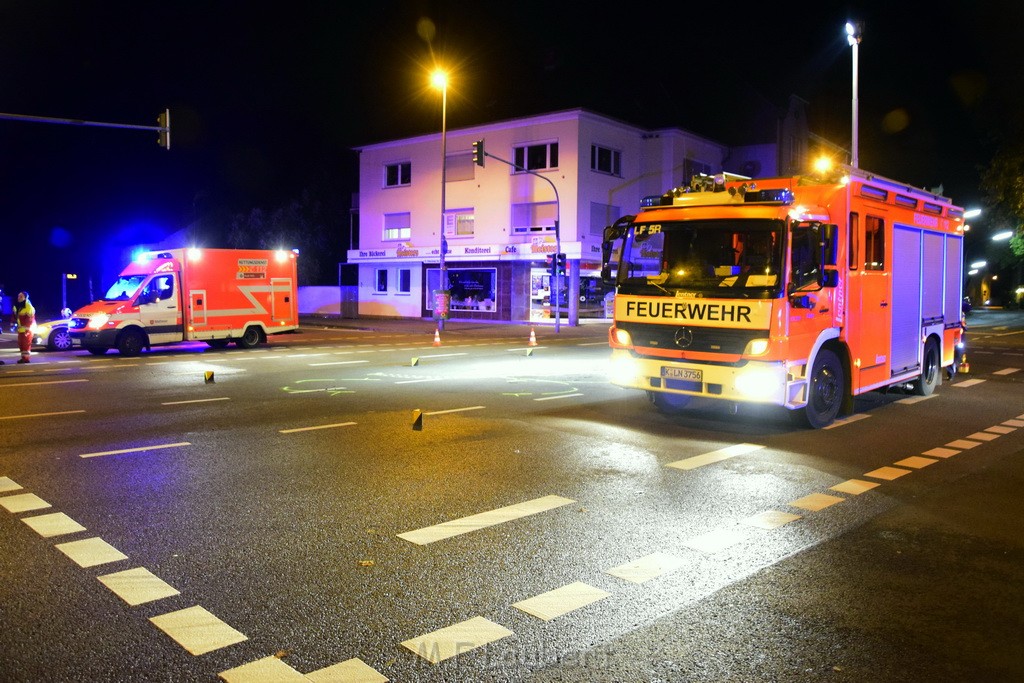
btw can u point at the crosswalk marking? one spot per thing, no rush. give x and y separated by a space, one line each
714 456
457 527
646 568
560 601
445 643
137 586
197 630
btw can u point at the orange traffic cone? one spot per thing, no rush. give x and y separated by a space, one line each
437 337
533 338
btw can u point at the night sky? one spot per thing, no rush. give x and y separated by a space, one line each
267 99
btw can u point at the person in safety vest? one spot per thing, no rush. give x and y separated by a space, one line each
25 318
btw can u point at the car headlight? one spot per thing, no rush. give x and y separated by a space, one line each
621 337
757 383
756 347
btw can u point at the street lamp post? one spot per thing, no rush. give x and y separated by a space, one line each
853 36
440 80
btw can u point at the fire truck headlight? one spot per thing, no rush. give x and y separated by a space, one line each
756 347
98 321
622 370
759 383
621 337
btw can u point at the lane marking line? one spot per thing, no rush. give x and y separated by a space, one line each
916 462
309 429
560 601
1006 371
40 415
999 429
141 449
454 410
962 443
1014 423
197 400
352 670
887 473
23 502
338 362
7 485
552 398
941 452
983 436
714 456
445 643
847 420
457 527
263 670
967 383
714 541
36 384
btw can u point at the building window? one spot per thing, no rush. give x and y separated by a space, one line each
601 216
404 281
472 289
398 175
535 157
604 160
535 217
396 226
380 283
458 223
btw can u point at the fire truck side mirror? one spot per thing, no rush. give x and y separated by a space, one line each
830 278
828 246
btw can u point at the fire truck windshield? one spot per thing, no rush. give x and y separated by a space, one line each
124 288
720 258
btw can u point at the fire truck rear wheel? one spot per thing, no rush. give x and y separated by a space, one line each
668 404
931 370
827 387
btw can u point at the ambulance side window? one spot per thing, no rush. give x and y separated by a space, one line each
853 241
874 243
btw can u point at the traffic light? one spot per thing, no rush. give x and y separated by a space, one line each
164 121
551 262
560 264
478 153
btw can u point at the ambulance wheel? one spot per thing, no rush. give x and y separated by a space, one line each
668 404
826 390
130 343
250 338
931 371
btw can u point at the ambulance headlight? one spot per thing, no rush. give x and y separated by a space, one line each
756 347
98 321
757 383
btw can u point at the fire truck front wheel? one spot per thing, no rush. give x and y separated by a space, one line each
931 370
668 404
827 387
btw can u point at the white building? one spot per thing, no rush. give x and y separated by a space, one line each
500 221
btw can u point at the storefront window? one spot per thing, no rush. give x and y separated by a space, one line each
473 289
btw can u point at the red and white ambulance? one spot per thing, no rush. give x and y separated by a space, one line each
212 295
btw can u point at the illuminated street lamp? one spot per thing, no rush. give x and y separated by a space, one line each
1002 236
853 36
439 79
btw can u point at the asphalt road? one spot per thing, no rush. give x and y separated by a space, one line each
297 522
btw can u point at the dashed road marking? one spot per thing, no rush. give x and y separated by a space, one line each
962 443
560 601
310 429
770 519
483 520
23 502
941 452
196 400
967 383
714 456
141 449
1000 429
1014 423
445 643
138 586
7 485
847 420
55 524
715 541
1006 371
983 436
854 487
352 670
646 568
552 398
35 384
21 417
887 473
454 410
90 552
816 501
263 671
197 630
916 462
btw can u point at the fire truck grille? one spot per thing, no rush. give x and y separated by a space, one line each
680 338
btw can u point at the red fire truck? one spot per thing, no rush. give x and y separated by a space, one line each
796 291
213 295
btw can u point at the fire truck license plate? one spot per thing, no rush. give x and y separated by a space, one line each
687 374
